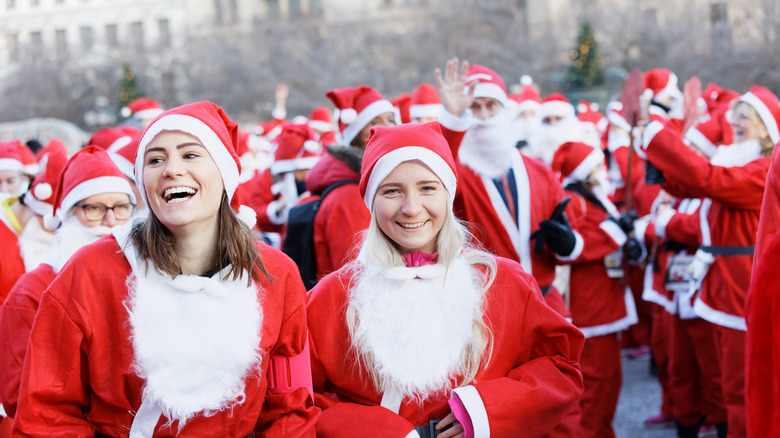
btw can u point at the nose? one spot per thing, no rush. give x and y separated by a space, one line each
412 205
173 168
109 219
481 113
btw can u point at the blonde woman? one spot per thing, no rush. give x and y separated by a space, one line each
424 335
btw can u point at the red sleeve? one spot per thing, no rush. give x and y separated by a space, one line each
685 228
600 235
261 196
769 219
11 263
341 219
736 187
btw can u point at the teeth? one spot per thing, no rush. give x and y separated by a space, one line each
414 225
173 190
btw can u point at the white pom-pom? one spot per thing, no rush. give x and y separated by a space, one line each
594 106
526 80
247 215
647 95
125 112
582 108
42 191
348 116
312 146
51 222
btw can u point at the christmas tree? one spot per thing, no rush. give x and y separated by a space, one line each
587 67
128 86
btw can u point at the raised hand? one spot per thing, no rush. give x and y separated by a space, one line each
451 86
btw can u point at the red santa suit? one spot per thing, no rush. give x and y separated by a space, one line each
528 383
11 262
762 397
16 319
260 197
731 221
95 360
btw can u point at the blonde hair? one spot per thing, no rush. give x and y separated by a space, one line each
766 141
453 240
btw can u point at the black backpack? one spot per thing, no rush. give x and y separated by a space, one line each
299 240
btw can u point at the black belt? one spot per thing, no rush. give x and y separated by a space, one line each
102 435
729 250
545 290
429 430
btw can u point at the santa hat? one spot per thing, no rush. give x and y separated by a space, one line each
89 172
575 161
54 144
556 105
588 112
661 82
209 124
357 108
142 108
717 97
112 139
528 98
389 146
11 155
401 105
321 119
425 102
768 107
296 149
29 162
124 157
489 83
40 197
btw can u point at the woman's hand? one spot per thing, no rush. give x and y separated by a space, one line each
455 431
451 86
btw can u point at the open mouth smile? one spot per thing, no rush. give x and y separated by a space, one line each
175 195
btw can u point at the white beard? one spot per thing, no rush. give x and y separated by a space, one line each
416 329
547 138
195 340
35 243
488 145
524 127
71 236
737 154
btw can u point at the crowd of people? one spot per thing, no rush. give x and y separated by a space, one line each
457 261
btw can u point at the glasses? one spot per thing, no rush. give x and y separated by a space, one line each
96 212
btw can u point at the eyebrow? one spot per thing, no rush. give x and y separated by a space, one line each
183 145
419 183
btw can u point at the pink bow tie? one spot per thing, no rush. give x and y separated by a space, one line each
419 258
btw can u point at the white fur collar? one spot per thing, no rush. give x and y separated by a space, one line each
195 339
416 323
737 155
34 244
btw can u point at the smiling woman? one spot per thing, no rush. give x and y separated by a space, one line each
175 322
423 334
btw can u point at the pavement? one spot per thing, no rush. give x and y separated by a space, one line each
640 397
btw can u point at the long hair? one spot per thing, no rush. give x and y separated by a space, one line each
235 246
453 240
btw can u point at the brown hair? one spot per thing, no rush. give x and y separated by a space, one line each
235 247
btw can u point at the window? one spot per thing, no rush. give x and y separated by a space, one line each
13 47
36 44
233 11
112 39
137 34
87 39
720 32
165 32
273 8
61 42
294 6
218 11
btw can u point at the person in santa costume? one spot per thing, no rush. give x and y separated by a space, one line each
179 324
558 125
526 107
341 216
321 121
505 196
12 185
142 111
600 306
426 104
422 331
734 179
94 199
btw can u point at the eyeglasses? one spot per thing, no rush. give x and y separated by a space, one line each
96 212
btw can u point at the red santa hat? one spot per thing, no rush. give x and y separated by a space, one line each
89 172
575 161
29 161
321 119
208 123
11 155
589 112
768 107
389 146
296 149
40 197
401 105
142 108
556 105
425 102
112 139
54 144
124 157
661 82
489 83
357 108
528 98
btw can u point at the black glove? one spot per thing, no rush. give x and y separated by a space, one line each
653 175
557 234
626 221
634 250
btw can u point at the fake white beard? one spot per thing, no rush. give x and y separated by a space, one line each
524 127
35 243
415 323
488 145
195 340
70 237
602 190
737 154
548 138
